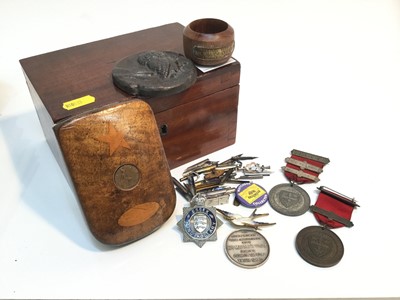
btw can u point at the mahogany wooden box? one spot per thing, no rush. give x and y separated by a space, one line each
193 123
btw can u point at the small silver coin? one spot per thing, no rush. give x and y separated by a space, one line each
247 248
289 199
319 246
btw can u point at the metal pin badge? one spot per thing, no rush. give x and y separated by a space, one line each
199 223
251 195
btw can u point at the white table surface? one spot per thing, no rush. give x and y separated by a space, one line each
319 76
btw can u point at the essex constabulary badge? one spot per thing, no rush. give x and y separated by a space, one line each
199 223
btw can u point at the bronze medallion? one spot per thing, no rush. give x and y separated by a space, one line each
319 246
154 73
126 177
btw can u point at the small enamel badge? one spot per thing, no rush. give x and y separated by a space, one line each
199 224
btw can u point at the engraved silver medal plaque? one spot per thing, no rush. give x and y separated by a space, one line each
247 248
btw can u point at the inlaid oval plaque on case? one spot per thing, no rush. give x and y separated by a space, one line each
154 73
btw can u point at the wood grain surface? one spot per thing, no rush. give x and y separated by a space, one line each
119 208
193 123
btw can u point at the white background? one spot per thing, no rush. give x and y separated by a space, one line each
318 76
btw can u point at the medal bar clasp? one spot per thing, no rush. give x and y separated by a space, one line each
303 165
338 196
331 216
321 159
301 173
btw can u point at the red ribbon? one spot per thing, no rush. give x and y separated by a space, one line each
330 203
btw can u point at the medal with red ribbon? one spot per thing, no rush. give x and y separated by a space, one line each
333 209
318 245
302 167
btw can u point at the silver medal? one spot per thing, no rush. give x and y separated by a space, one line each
247 248
289 199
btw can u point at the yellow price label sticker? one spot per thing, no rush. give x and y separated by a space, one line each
82 101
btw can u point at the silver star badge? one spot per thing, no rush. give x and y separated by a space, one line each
199 224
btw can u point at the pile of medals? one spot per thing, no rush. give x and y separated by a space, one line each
318 245
204 186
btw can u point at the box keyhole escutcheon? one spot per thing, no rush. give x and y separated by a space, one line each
164 129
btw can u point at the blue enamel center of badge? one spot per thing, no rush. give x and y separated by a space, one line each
200 223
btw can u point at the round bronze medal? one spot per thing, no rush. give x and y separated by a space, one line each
126 177
154 73
289 199
319 246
